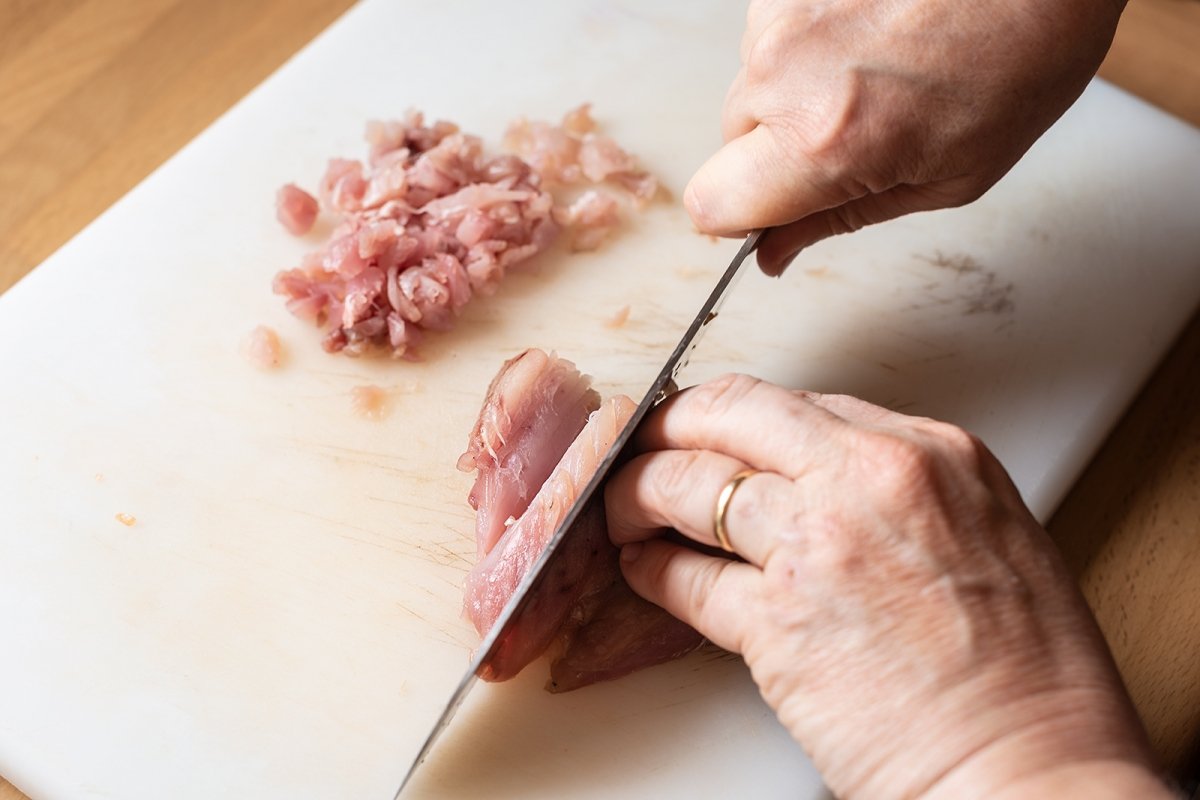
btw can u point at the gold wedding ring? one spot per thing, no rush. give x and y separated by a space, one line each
723 499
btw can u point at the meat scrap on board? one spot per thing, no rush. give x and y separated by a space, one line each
541 433
431 220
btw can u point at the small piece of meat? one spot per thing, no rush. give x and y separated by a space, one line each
591 218
573 152
262 349
601 159
296 209
533 410
128 520
583 613
552 151
343 185
578 121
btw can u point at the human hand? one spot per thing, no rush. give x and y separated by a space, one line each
898 606
850 112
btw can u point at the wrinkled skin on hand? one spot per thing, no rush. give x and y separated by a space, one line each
898 606
851 112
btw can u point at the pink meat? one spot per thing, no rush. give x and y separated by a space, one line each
584 613
430 221
296 209
534 408
591 219
573 152
426 225
262 348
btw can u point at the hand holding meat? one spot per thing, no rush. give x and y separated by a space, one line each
850 113
898 605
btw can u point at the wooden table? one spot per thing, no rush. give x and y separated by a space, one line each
97 93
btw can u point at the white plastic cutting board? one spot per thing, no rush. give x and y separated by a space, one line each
283 619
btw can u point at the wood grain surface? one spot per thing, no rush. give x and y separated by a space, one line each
97 93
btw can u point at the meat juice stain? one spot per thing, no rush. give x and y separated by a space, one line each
370 402
618 319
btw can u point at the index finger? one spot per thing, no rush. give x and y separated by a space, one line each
759 423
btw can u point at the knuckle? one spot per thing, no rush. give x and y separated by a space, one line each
966 450
958 441
846 219
899 467
722 395
786 566
700 588
831 555
673 476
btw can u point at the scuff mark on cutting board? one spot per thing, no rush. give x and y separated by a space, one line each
961 263
974 290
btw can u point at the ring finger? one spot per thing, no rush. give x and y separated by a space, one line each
679 489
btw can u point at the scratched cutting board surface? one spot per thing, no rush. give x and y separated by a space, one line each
283 618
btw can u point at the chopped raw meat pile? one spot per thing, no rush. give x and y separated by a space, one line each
430 221
541 434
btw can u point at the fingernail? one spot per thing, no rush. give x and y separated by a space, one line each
631 551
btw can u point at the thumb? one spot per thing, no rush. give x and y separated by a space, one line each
755 181
713 595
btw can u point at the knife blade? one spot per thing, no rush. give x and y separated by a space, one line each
662 386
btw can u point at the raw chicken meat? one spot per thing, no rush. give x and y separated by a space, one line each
262 348
591 217
430 221
426 225
574 152
296 209
584 614
535 407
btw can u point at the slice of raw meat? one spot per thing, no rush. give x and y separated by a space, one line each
583 612
533 410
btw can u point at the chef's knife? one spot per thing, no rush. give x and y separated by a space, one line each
662 386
